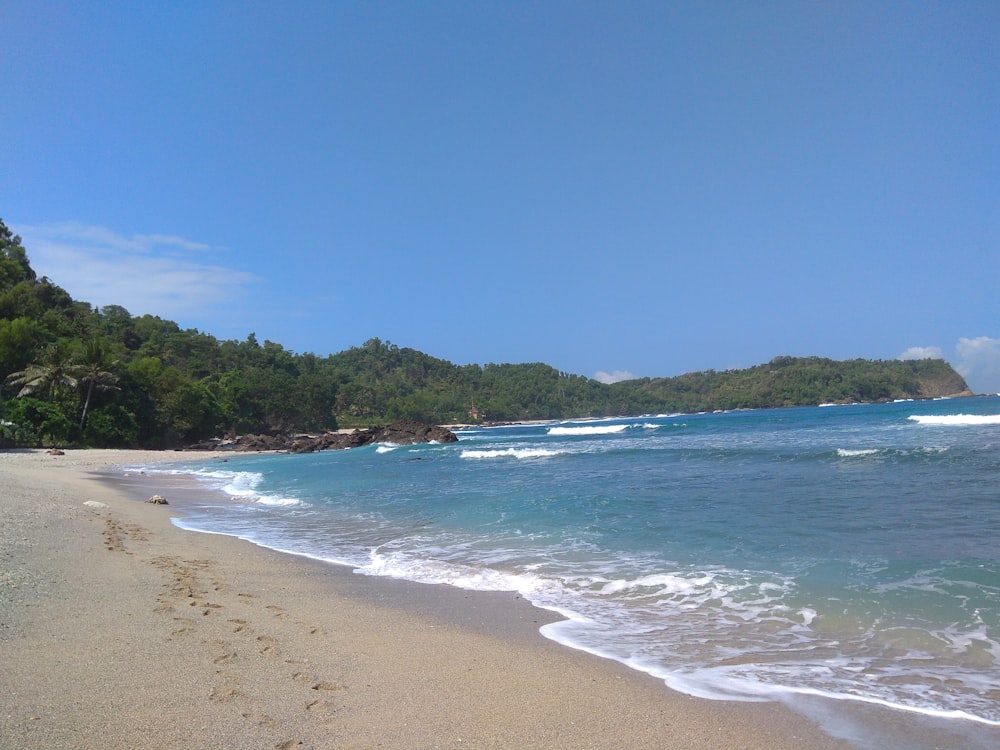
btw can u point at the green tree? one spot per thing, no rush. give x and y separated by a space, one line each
54 373
14 266
92 375
18 342
36 422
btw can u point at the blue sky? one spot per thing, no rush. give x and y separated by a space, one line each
627 188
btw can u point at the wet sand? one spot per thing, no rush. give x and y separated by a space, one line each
120 630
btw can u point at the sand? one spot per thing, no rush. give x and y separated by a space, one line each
119 630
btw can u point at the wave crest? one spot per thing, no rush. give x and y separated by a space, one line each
510 453
958 420
599 429
856 452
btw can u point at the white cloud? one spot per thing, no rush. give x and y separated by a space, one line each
613 377
922 352
144 273
979 363
976 359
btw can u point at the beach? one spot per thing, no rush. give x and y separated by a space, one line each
120 630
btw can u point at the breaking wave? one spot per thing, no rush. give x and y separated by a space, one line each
956 419
510 453
599 429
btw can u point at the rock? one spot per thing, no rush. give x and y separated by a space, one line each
158 500
95 504
399 433
410 433
55 452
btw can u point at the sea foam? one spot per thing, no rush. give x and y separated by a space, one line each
606 429
599 429
510 453
956 419
856 452
240 485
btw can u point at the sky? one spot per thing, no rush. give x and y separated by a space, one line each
617 189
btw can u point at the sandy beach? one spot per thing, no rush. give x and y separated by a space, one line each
119 630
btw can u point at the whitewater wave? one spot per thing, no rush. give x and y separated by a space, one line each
770 645
857 452
957 420
606 429
240 485
599 429
510 453
470 577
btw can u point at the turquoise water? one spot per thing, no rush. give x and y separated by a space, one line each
841 551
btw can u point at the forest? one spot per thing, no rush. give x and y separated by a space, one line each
76 374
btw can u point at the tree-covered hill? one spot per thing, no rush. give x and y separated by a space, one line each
795 381
72 373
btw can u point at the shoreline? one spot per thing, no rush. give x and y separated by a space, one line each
121 629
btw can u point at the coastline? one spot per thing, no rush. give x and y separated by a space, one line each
120 629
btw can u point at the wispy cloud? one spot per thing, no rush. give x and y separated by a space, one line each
976 359
159 274
613 377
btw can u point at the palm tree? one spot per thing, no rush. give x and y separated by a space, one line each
50 375
91 373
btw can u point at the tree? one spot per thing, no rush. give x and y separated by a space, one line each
34 420
18 339
14 266
55 372
92 375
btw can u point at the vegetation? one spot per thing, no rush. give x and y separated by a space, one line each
76 374
793 381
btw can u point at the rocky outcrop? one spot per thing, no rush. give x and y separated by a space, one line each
946 383
398 433
410 433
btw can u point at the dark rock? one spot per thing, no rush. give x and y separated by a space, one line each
409 433
405 432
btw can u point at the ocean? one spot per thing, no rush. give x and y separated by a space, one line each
831 557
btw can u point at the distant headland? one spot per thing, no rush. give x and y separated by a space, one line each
75 374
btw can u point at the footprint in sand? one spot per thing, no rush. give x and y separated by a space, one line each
323 711
315 683
262 720
226 652
328 686
313 629
224 694
269 646
114 538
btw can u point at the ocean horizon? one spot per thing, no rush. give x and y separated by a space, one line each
832 558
